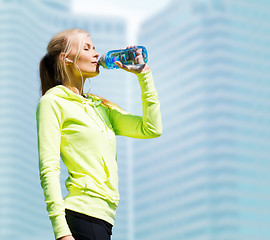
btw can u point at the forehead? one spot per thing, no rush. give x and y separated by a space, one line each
79 40
88 40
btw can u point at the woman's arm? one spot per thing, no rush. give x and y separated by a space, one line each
49 139
150 124
147 126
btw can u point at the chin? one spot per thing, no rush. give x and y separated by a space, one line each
92 74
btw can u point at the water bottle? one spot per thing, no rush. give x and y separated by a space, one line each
126 56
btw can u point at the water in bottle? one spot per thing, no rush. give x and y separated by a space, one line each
125 56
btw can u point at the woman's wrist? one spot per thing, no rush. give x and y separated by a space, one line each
145 68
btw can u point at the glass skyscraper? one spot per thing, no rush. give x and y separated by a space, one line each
26 28
207 177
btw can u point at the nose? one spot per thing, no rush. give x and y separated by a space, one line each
96 54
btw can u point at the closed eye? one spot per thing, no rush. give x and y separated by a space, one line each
88 47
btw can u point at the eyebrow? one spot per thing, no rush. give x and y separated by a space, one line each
89 45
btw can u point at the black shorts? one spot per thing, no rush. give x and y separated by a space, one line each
84 227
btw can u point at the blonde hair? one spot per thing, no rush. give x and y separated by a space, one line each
52 70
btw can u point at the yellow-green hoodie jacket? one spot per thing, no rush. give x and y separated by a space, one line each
82 131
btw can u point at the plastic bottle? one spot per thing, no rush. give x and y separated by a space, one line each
125 56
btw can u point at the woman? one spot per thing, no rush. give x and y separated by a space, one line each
81 129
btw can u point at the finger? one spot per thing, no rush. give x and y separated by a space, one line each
119 64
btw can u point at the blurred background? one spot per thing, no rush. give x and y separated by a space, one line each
208 176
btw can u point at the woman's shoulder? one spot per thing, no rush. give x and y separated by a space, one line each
47 98
53 94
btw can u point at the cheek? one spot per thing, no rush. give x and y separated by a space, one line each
84 64
84 58
88 67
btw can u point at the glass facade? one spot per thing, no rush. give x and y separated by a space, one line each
207 176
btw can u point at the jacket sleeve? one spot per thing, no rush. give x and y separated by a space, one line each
49 124
147 126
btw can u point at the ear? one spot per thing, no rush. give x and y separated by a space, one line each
62 58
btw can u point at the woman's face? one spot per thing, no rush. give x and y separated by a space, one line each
87 61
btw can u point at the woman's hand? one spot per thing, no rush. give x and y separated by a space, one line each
140 66
69 237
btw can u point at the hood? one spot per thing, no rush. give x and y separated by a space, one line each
86 101
64 92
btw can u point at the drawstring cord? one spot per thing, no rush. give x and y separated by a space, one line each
106 127
97 112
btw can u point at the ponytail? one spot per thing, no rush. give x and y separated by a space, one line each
48 73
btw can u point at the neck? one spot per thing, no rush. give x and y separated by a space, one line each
75 85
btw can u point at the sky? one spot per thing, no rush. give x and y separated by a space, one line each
133 11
